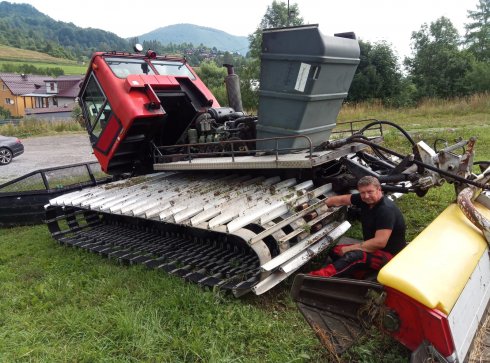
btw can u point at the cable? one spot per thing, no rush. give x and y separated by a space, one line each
380 122
420 163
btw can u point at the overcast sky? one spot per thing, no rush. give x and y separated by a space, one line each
372 20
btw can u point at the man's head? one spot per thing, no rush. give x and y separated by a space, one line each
370 190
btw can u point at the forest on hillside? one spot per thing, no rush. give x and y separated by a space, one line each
24 27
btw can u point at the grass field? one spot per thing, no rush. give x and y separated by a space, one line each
34 127
64 305
39 60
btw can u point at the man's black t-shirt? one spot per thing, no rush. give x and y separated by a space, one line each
384 215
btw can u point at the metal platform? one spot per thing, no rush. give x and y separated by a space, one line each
305 159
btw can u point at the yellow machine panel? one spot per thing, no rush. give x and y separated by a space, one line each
435 267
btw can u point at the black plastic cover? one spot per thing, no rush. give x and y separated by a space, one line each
337 309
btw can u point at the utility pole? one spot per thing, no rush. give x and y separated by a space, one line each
289 15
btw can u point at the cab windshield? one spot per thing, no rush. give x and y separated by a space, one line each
172 68
123 67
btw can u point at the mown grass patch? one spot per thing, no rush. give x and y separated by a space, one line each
62 304
68 69
17 56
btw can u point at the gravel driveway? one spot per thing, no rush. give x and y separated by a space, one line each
48 151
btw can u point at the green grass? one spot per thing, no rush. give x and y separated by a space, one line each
62 304
35 127
39 60
16 54
68 69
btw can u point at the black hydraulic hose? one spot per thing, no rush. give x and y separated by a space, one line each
363 139
380 122
399 128
342 142
420 163
395 189
435 144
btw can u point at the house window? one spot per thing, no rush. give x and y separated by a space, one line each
9 101
51 87
39 102
4 87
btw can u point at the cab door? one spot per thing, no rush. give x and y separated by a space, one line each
102 124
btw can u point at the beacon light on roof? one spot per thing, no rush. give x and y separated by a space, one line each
151 54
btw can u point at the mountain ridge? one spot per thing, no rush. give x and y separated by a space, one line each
23 26
196 34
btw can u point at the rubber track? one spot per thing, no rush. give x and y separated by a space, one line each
205 262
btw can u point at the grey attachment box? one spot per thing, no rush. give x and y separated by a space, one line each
304 78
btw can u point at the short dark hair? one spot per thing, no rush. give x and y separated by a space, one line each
368 180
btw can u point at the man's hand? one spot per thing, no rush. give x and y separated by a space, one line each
338 200
378 242
348 248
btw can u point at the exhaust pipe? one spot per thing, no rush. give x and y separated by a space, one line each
232 83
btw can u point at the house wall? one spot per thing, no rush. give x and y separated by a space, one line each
16 105
28 102
8 101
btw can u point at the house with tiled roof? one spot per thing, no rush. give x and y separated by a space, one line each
38 96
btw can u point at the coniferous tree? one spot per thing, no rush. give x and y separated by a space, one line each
477 36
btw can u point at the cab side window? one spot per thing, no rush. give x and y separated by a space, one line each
95 107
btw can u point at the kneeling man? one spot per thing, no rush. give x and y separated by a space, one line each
383 229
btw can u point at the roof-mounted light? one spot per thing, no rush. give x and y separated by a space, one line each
151 54
138 48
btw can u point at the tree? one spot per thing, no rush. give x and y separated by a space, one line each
249 76
438 68
4 114
228 58
276 16
479 77
377 76
77 115
477 41
478 32
213 77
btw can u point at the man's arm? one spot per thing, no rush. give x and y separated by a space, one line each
378 242
338 200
